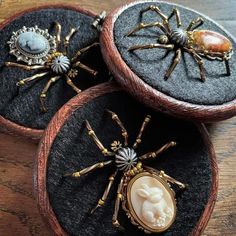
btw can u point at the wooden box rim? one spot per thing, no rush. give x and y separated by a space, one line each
10 126
147 94
51 133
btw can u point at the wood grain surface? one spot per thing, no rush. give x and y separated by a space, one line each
18 211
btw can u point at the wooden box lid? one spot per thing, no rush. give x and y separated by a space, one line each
141 73
66 147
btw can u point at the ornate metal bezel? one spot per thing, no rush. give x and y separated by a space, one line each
32 59
127 205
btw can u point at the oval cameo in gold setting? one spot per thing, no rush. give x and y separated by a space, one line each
151 202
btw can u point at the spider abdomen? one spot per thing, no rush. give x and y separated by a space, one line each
205 40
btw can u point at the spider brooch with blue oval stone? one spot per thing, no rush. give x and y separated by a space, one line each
198 43
145 193
48 55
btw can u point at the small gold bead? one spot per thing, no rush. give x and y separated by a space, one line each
43 95
138 140
119 195
132 172
153 155
104 151
111 178
21 82
101 202
91 132
114 116
76 175
101 165
139 165
135 169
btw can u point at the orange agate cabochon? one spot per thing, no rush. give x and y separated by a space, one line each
211 41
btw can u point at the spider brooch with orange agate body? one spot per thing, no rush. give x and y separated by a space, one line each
198 43
46 54
145 193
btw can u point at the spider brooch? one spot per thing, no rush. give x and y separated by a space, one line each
198 43
45 53
145 193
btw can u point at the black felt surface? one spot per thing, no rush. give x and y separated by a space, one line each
151 65
24 109
73 150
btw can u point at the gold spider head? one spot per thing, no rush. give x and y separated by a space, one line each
163 39
72 73
115 146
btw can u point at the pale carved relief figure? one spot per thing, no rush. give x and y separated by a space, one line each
152 203
154 209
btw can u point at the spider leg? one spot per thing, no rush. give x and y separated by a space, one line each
199 61
58 33
144 26
25 67
102 200
124 132
68 37
83 50
98 165
150 46
174 64
144 124
220 57
91 133
172 180
43 94
88 69
160 13
28 79
194 24
119 197
152 155
73 86
175 13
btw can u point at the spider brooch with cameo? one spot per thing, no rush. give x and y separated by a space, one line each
46 54
198 43
145 193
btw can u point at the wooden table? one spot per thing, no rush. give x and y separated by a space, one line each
18 211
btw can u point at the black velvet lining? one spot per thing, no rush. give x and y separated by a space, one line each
74 150
151 65
24 109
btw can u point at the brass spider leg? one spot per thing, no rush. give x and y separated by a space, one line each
98 165
144 124
199 61
124 132
91 133
43 94
58 33
174 64
83 50
150 46
68 37
119 197
25 67
159 12
73 86
172 180
88 69
175 13
152 155
28 79
101 201
195 24
144 26
220 57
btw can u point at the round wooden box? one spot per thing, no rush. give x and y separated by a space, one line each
66 147
141 72
20 112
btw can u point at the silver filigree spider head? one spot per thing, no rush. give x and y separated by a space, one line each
32 45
